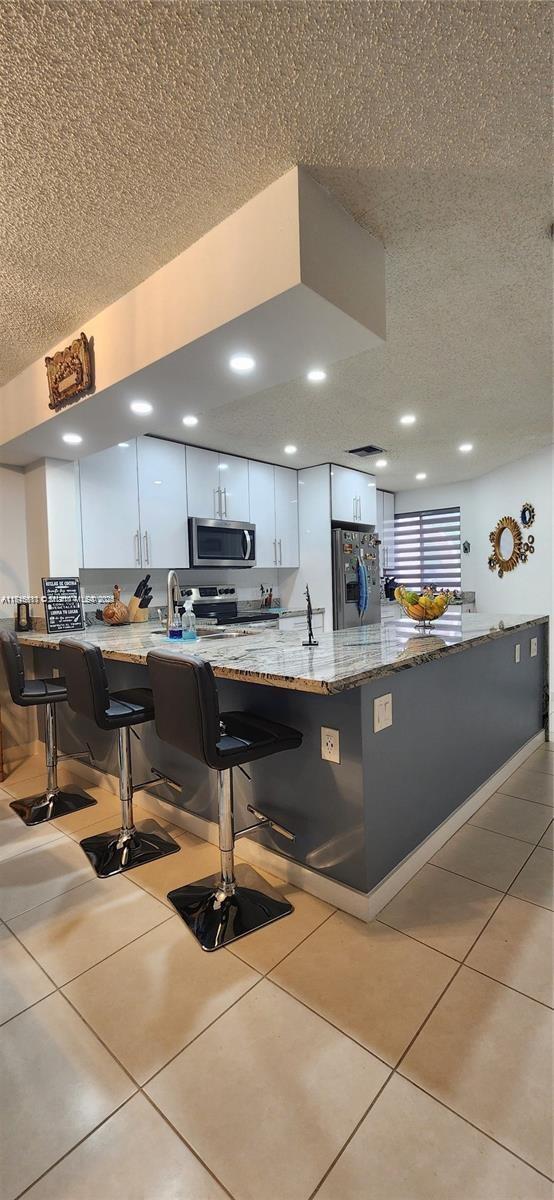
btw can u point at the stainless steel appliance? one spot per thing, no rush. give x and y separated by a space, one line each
215 543
356 586
220 604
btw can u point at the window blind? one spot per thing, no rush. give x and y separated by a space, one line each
427 550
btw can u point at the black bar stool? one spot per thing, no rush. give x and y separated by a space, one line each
227 906
46 693
131 845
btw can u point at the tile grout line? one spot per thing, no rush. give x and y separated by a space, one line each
265 974
396 1069
75 1147
352 1135
262 976
511 836
471 1124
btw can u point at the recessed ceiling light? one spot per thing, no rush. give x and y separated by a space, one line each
290 449
242 363
190 421
123 445
72 439
381 462
421 475
407 419
465 447
316 375
141 407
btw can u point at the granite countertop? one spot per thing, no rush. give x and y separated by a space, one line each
344 659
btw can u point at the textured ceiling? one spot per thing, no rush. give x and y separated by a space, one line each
130 129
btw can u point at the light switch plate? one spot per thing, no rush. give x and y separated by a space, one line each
517 654
533 647
382 712
330 744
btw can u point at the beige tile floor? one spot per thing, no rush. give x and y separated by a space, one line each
408 1059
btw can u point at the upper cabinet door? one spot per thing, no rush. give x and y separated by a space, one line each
233 484
344 495
286 516
262 511
163 503
203 484
110 508
367 493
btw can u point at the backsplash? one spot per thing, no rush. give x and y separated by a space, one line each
247 582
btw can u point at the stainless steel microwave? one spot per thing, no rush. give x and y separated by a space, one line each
215 543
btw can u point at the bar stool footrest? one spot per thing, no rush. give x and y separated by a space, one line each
148 843
35 810
216 920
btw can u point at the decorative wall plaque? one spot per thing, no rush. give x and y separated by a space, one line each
69 373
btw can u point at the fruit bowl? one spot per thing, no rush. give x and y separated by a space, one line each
422 607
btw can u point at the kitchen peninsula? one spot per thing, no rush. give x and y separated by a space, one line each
460 708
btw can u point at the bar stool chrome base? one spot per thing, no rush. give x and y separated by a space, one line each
216 919
113 852
34 810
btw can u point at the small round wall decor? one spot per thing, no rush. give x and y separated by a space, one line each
527 515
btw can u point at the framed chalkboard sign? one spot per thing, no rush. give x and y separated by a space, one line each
63 605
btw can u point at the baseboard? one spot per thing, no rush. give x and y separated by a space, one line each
15 754
364 905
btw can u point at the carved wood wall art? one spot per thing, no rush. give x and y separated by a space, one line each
69 373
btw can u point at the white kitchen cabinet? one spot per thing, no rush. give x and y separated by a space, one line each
286 517
353 496
110 508
162 503
217 485
233 485
274 511
262 511
203 482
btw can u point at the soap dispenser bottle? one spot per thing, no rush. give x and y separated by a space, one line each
189 622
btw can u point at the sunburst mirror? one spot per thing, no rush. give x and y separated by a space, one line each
507 546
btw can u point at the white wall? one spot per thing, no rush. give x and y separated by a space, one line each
14 576
482 501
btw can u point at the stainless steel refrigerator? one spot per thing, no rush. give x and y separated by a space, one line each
356 585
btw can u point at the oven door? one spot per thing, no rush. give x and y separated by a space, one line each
216 543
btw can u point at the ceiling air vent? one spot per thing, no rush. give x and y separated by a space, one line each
366 451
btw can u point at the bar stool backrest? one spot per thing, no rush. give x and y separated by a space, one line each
13 664
186 706
86 680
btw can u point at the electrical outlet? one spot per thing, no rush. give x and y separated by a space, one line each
517 654
330 744
533 647
382 712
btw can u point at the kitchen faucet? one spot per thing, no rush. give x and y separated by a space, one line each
173 597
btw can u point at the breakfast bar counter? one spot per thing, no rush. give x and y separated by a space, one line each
344 659
460 704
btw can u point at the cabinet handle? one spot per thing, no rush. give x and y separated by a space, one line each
216 503
280 553
275 552
224 502
136 546
146 554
